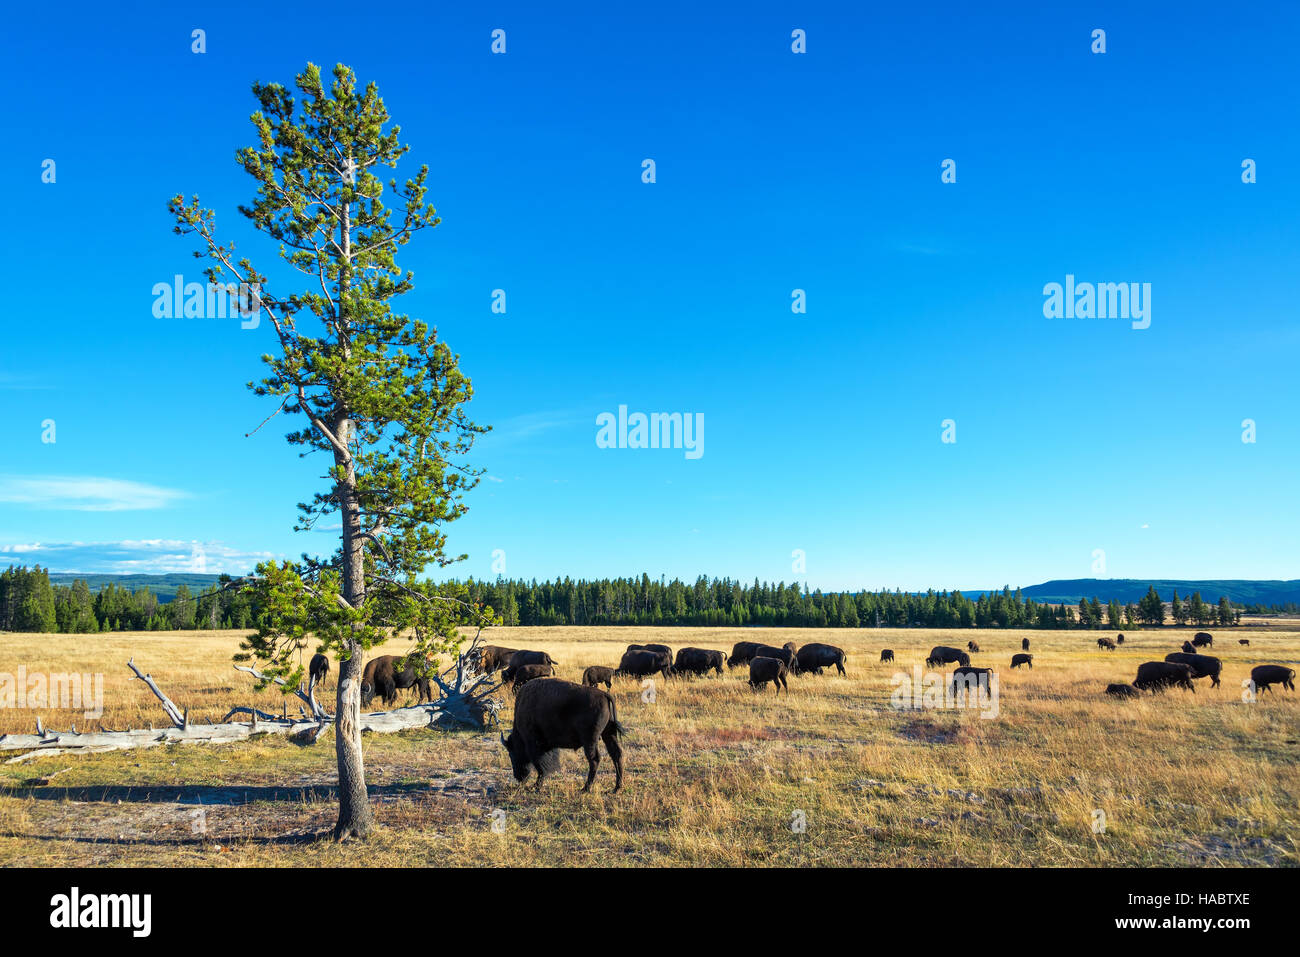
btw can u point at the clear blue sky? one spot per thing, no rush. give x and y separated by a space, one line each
775 171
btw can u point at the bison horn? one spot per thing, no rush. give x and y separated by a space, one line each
503 737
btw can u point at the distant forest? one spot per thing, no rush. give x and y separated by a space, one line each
29 602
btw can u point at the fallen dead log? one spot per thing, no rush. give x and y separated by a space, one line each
472 707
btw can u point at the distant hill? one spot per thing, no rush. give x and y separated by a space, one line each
164 586
1123 590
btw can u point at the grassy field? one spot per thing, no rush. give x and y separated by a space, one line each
831 774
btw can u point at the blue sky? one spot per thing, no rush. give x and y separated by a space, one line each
775 171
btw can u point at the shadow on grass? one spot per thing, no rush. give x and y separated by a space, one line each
225 795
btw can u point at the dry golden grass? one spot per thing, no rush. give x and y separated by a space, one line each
716 775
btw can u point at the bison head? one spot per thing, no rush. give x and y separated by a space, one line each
518 760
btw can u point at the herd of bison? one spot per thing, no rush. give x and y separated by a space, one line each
552 714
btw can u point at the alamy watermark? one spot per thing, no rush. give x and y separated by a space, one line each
39 690
936 691
179 299
655 430
1102 300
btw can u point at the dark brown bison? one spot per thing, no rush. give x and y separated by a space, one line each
972 646
762 670
1119 639
742 652
1121 691
529 658
385 675
943 655
1203 666
661 649
972 678
519 675
1189 648
597 675
1156 676
493 658
790 658
699 661
887 654
1018 660
1024 644
815 656
1203 639
640 664
1106 644
1265 675
662 652
318 669
552 714
1243 641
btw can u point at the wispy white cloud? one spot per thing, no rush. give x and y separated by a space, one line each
84 493
145 557
531 424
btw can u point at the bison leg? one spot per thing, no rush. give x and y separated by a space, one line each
593 759
1214 681
610 737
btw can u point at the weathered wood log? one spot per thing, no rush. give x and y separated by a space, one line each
309 696
173 712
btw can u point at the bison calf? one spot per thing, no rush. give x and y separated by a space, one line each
597 675
1121 691
763 670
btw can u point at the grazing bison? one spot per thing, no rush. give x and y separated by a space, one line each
972 646
790 658
662 652
639 664
1018 660
1119 639
972 678
1121 691
762 670
887 654
1265 675
1203 666
943 655
1106 643
597 675
519 675
1203 639
529 658
551 714
815 656
1243 641
493 658
1156 676
742 652
319 668
383 678
699 661
662 649
1024 644
1189 648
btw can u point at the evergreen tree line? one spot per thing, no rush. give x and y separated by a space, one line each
728 602
30 603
